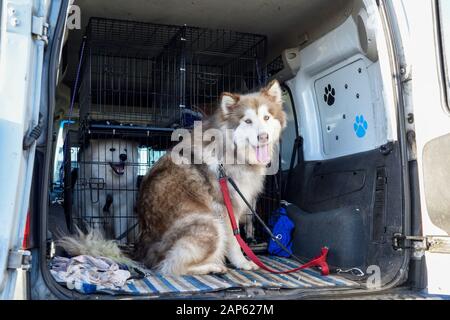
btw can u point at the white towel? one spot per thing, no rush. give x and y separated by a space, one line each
84 269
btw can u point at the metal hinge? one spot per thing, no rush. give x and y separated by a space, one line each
20 259
39 28
420 244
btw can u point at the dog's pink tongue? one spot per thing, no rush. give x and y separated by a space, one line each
262 154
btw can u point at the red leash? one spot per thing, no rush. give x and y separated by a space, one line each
320 261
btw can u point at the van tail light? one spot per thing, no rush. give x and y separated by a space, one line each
26 234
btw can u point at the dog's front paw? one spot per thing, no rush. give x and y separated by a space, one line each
220 269
247 265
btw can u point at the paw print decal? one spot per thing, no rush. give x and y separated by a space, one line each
360 126
329 95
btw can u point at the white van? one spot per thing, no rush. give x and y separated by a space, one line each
364 158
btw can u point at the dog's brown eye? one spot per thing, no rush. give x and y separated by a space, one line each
112 149
248 121
266 118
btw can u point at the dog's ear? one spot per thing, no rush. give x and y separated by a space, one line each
228 101
273 91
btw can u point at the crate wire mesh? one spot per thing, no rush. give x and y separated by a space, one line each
102 178
150 75
139 81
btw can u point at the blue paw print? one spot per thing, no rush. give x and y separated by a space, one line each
360 126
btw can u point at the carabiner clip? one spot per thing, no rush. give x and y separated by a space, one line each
353 271
221 170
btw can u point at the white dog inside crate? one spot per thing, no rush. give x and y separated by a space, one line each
106 187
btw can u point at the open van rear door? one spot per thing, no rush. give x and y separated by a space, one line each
23 39
428 73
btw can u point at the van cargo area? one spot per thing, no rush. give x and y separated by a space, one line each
137 70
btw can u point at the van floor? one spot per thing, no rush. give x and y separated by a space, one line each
157 284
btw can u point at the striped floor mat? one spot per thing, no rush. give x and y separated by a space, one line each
156 284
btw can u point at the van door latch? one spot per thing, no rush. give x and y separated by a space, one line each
420 244
33 134
20 259
405 73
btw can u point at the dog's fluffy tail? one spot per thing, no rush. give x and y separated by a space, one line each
94 244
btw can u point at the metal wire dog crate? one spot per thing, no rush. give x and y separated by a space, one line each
102 177
139 81
150 75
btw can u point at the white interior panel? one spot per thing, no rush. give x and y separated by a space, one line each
345 110
335 60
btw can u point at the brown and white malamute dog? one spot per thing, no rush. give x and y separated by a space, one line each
183 221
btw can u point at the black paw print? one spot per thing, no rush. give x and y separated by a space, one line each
329 95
